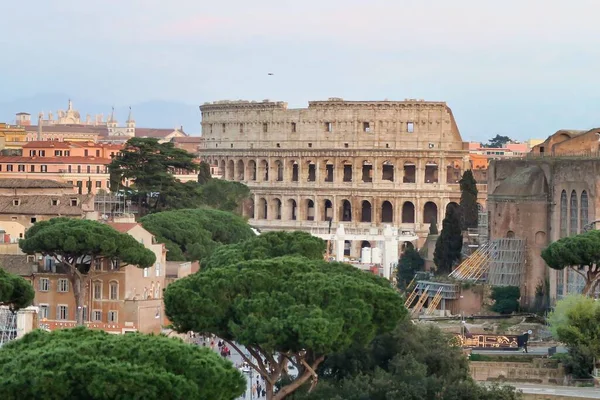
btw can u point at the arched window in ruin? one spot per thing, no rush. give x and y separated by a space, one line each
408 213
430 212
295 171
263 170
240 170
410 172
249 208
387 171
480 208
312 171
222 168
584 216
453 173
563 214
365 243
252 170
431 172
452 205
366 211
510 234
329 171
279 168
347 165
292 209
263 209
387 212
367 172
310 210
277 210
327 210
540 238
574 214
346 211
347 247
231 170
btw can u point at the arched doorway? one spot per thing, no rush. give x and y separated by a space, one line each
310 210
231 170
327 210
262 208
264 170
387 212
430 212
252 170
279 167
249 209
408 213
292 209
222 169
240 170
366 211
346 211
277 205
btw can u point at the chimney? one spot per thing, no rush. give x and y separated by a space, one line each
39 131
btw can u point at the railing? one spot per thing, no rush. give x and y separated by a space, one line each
83 172
567 155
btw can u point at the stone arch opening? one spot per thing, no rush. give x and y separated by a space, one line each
573 227
430 212
480 207
346 211
347 247
540 238
453 173
510 234
410 172
431 172
367 172
292 209
408 213
310 210
312 171
263 208
327 210
249 209
329 171
347 165
222 168
563 214
387 171
277 208
365 243
279 169
252 170
366 212
264 170
387 212
295 170
241 170
231 170
583 209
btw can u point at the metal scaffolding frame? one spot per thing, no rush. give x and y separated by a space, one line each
476 265
8 325
507 262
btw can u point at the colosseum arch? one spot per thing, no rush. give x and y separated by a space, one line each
292 210
241 171
346 211
327 210
408 213
430 212
252 170
222 168
263 170
312 171
277 208
431 172
366 211
295 170
347 171
231 170
263 209
249 208
387 212
279 170
310 210
410 172
387 171
367 171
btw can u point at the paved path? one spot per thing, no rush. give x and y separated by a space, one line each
537 351
584 392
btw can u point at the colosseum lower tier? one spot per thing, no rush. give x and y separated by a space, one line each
363 164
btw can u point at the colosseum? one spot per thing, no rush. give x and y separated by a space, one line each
363 164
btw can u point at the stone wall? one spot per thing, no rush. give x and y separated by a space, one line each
539 371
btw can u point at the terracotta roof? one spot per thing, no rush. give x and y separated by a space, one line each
32 184
55 160
123 227
188 139
155 133
42 205
83 129
48 144
17 264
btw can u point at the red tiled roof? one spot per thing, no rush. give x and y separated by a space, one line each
188 139
123 227
84 129
48 144
155 133
55 160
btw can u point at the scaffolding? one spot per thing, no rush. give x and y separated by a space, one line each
507 262
110 206
476 265
421 302
476 237
8 325
434 303
411 298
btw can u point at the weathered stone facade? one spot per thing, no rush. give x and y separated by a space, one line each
542 200
361 163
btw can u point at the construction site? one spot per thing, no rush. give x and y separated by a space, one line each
495 262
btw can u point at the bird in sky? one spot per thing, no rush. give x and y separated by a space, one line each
270 73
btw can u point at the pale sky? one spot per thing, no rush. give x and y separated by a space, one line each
519 68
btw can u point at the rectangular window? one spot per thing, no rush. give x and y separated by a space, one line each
57 153
115 264
97 265
62 313
43 168
97 290
9 168
157 266
89 169
85 153
223 125
98 184
293 127
32 168
265 127
31 153
97 153
21 168
79 169
44 284
366 127
97 169
44 311
84 313
113 316
97 316
63 285
410 127
67 153
146 272
328 126
69 168
114 291
42 153
241 128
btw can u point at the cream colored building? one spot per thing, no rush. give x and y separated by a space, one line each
360 163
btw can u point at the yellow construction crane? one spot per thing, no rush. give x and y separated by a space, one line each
435 301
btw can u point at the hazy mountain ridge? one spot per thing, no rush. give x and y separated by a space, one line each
148 114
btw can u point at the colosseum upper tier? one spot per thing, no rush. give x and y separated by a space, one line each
360 163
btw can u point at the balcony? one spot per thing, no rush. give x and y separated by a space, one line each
83 172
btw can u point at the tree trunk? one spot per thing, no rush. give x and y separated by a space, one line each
591 282
269 389
79 292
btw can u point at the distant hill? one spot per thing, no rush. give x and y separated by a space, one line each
149 114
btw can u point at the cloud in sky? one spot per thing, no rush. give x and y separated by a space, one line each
522 68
